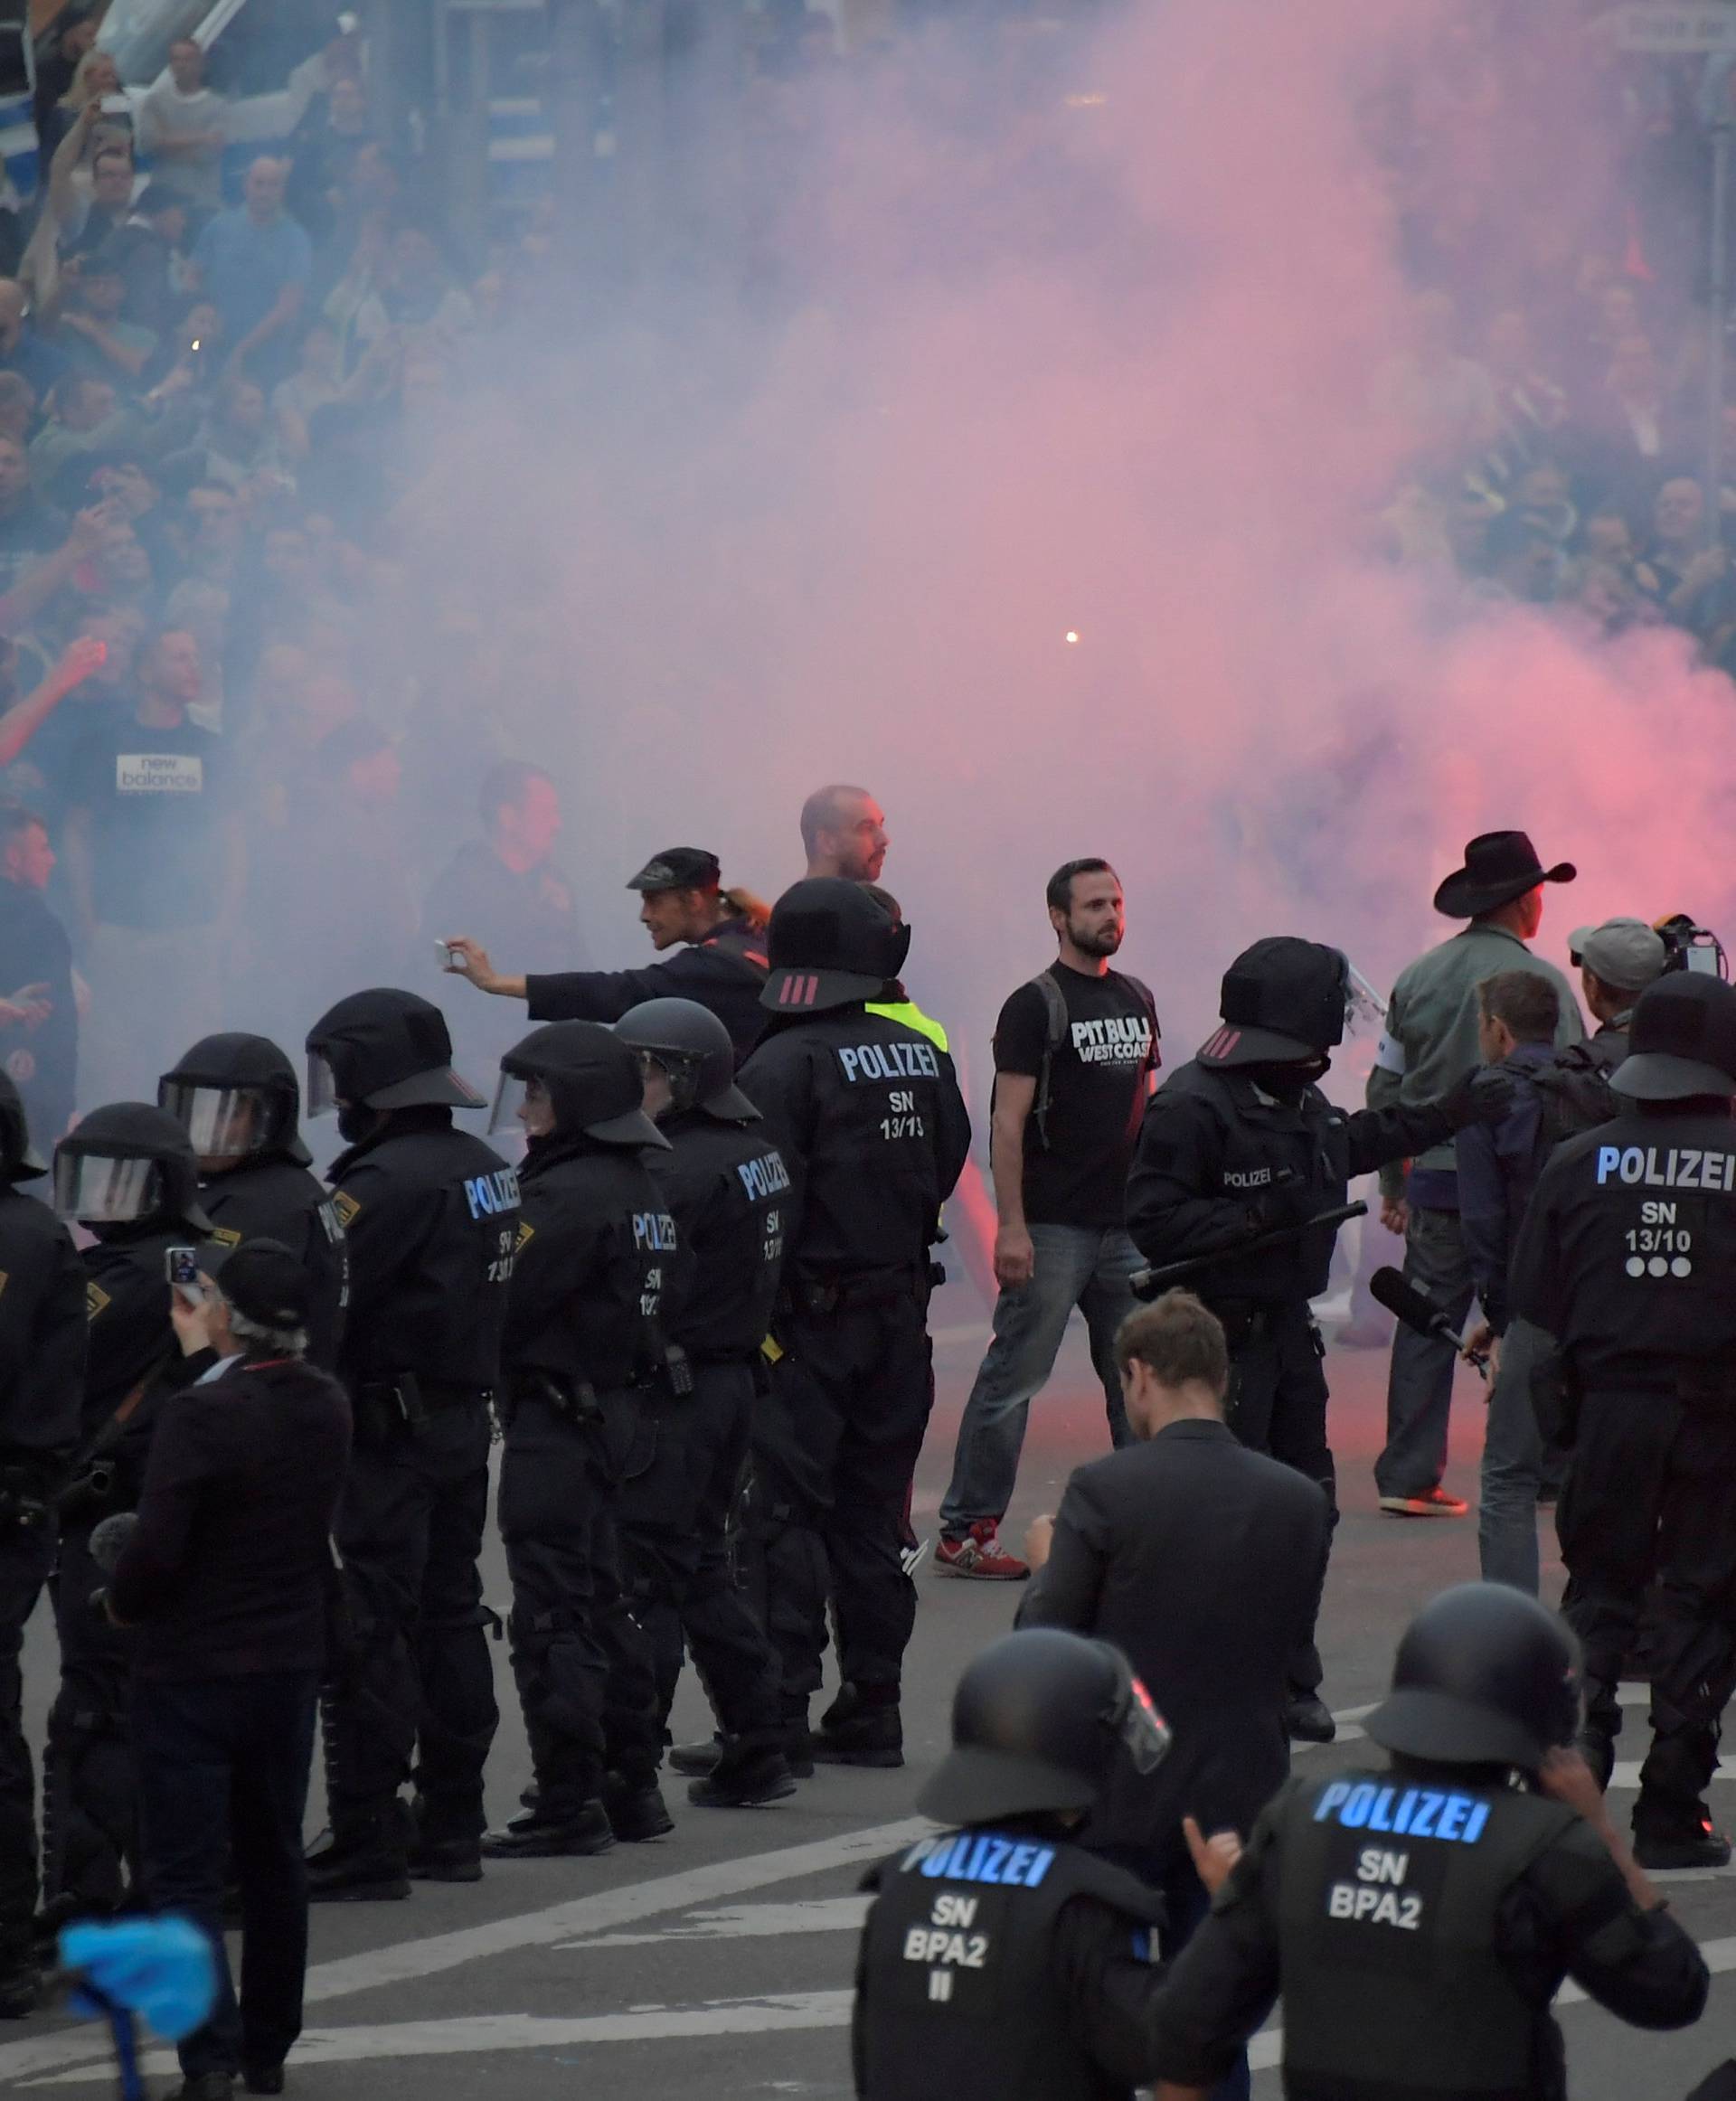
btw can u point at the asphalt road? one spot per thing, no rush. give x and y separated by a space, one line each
719 1960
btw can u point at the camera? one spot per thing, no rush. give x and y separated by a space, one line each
1691 946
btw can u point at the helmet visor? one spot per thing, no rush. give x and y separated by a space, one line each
322 1085
509 1099
1144 1730
224 1123
98 1190
682 1069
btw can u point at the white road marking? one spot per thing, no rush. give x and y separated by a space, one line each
744 1922
488 2032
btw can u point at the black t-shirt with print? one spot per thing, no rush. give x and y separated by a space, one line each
155 798
1098 1084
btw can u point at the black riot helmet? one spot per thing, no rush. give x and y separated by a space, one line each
237 1097
1682 1041
126 1163
592 1081
1485 1676
694 1048
388 1048
1283 1003
830 944
19 1159
1038 1721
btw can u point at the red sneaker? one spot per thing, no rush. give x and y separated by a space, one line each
1433 1502
978 1554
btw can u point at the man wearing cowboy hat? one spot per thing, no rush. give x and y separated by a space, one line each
1431 1043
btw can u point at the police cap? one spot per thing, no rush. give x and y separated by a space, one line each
199 1091
1485 1675
19 1159
1283 1002
1682 1041
830 944
389 1049
591 1077
128 1161
1037 1721
678 868
695 1049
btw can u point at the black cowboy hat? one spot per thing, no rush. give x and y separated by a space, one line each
1499 866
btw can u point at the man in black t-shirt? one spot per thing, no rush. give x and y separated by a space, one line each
1075 1057
155 863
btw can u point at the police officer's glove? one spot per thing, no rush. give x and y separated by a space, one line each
1483 1097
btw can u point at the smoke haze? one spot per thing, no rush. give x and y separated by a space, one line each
1107 371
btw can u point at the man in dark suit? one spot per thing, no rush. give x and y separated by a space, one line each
1202 1563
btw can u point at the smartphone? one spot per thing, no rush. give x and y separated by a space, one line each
443 954
348 23
182 1266
115 106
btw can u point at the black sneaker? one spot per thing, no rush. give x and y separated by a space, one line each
1674 1842
263 2078
535 1835
636 1810
367 1865
744 1779
853 1731
1308 1720
450 1860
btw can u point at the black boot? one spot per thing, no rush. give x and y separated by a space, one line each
699 1759
749 1772
862 1728
696 1759
364 1860
1308 1718
546 1834
441 1849
636 1810
1672 1834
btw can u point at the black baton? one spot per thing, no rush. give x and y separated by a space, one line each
1148 1283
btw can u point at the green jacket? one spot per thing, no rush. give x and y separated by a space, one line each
1430 1040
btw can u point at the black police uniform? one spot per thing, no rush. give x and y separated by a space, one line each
1418 1921
430 1217
725 972
43 1342
274 1197
1003 1960
581 1354
869 1118
1626 1257
90 1817
730 1191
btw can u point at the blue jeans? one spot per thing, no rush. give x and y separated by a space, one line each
1085 1266
1513 1466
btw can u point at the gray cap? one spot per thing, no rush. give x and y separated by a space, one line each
1626 954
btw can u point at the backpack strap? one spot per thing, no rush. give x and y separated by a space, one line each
1055 1011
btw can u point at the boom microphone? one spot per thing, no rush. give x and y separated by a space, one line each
109 1539
1420 1312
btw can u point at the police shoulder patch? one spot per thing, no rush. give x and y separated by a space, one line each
525 1233
346 1207
95 1299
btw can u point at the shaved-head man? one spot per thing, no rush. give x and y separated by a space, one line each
843 833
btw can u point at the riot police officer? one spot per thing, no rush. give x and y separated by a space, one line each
1000 1956
238 1099
430 1217
1419 1919
1626 1257
129 1173
582 1350
869 1119
729 1192
42 1333
1240 1142
719 935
